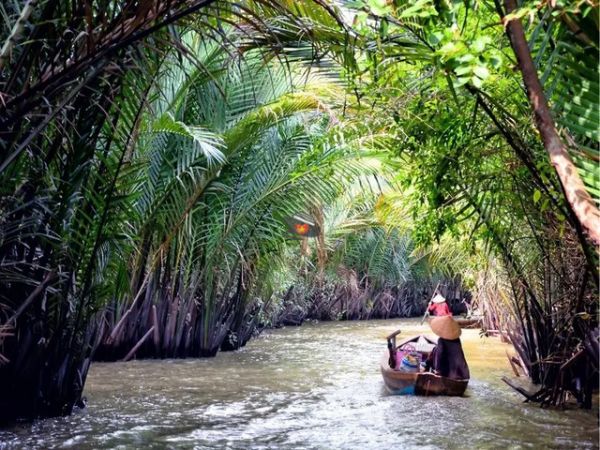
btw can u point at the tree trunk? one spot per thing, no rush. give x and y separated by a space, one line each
41 379
580 200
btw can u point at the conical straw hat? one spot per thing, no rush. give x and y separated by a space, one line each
438 299
445 327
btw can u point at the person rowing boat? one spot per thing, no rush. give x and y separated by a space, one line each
447 359
439 306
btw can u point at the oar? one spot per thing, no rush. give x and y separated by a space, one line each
429 304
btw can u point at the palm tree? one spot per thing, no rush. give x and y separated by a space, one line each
76 80
213 196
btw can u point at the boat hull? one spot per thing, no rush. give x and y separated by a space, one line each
419 383
398 382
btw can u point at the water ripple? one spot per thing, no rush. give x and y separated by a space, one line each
314 387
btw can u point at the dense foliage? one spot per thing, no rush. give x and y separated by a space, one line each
476 168
151 152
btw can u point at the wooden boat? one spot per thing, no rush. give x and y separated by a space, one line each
418 382
474 322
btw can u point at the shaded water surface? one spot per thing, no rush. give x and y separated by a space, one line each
313 387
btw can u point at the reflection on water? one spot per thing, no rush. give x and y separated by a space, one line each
313 387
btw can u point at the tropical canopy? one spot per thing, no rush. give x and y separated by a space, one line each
177 175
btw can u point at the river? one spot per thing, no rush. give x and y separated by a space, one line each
313 387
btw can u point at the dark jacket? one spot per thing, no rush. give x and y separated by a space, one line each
448 360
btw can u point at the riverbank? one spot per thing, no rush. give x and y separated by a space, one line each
316 386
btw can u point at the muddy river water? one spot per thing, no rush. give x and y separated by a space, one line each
313 387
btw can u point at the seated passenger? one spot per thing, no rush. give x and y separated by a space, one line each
447 358
439 307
